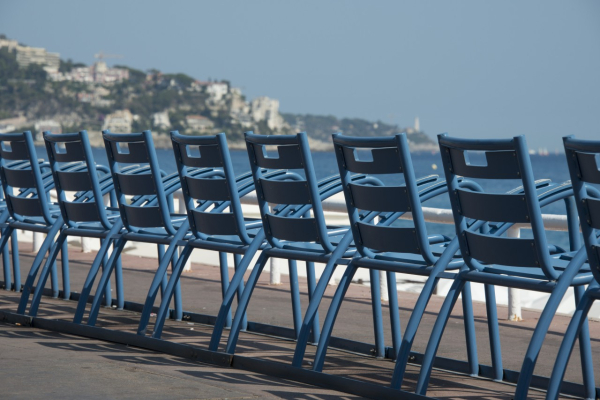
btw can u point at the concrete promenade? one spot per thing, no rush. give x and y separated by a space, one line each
49 364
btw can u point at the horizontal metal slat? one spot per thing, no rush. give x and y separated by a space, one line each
74 181
285 192
136 184
82 212
215 223
385 161
504 251
294 229
389 238
493 207
208 189
500 165
380 198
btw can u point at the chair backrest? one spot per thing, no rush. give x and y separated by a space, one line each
389 157
290 205
67 148
584 167
25 189
151 210
209 186
507 159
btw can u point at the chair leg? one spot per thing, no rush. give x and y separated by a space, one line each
585 351
494 332
14 243
311 313
313 306
158 281
50 262
6 263
93 272
35 266
232 289
334 308
6 234
469 322
566 348
411 331
107 292
224 282
237 258
95 308
417 313
163 310
377 314
66 278
177 300
537 339
295 294
243 305
436 335
161 254
394 312
119 284
311 280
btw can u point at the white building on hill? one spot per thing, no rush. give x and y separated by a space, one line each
118 122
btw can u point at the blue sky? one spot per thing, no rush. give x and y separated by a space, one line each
470 68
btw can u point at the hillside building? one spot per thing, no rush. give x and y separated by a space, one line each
198 123
118 122
267 109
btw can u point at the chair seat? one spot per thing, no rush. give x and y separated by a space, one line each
335 234
559 261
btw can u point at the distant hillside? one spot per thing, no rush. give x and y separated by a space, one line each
39 91
321 127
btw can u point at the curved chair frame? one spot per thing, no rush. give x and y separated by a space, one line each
206 198
30 208
380 246
145 206
583 168
519 263
285 204
84 215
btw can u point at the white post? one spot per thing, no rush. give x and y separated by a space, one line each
514 295
182 210
86 245
275 264
38 239
383 286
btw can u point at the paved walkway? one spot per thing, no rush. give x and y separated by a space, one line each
38 364
113 370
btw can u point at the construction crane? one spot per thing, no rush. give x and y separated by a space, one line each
101 55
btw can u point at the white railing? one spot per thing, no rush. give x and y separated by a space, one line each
337 205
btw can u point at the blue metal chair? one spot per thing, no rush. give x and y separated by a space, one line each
584 169
294 225
26 189
529 264
145 205
373 209
4 215
84 213
207 197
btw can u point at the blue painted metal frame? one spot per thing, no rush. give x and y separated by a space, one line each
207 197
293 233
583 167
147 214
533 261
385 247
84 215
29 208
